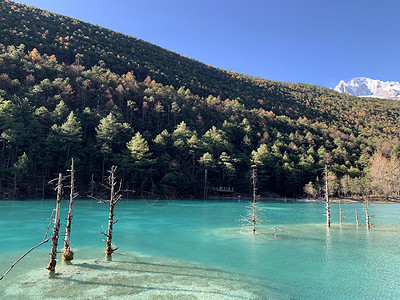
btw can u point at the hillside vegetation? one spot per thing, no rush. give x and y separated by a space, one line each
72 89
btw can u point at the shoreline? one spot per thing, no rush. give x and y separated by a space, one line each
372 199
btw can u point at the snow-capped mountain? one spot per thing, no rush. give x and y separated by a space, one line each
366 87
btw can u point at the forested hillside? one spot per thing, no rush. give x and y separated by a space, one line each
71 89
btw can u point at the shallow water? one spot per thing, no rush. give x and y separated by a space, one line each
197 250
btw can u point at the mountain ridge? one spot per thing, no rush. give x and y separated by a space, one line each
367 87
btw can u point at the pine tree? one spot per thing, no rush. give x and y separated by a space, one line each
207 161
71 134
140 159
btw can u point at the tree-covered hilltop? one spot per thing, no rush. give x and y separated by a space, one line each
71 89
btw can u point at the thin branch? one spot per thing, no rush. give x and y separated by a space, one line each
26 253
53 180
120 187
117 198
48 227
105 186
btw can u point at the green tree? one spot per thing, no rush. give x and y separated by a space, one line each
61 112
71 135
140 159
207 161
181 135
215 141
228 169
21 170
183 155
263 159
111 136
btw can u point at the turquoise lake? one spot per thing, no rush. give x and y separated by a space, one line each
197 250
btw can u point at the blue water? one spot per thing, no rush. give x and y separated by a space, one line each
303 260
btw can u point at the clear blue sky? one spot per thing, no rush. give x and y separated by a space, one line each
310 41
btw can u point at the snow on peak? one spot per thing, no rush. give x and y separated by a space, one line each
367 87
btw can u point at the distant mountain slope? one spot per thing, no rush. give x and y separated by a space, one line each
362 86
65 37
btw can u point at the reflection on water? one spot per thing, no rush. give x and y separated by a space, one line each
328 240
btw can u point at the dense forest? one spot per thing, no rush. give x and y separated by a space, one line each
72 89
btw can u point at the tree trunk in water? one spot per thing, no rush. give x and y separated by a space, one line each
253 215
67 253
54 238
254 178
115 196
367 213
328 213
109 248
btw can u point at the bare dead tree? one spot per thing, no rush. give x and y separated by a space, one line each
253 211
67 253
340 213
276 230
253 214
115 196
366 206
54 237
327 208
